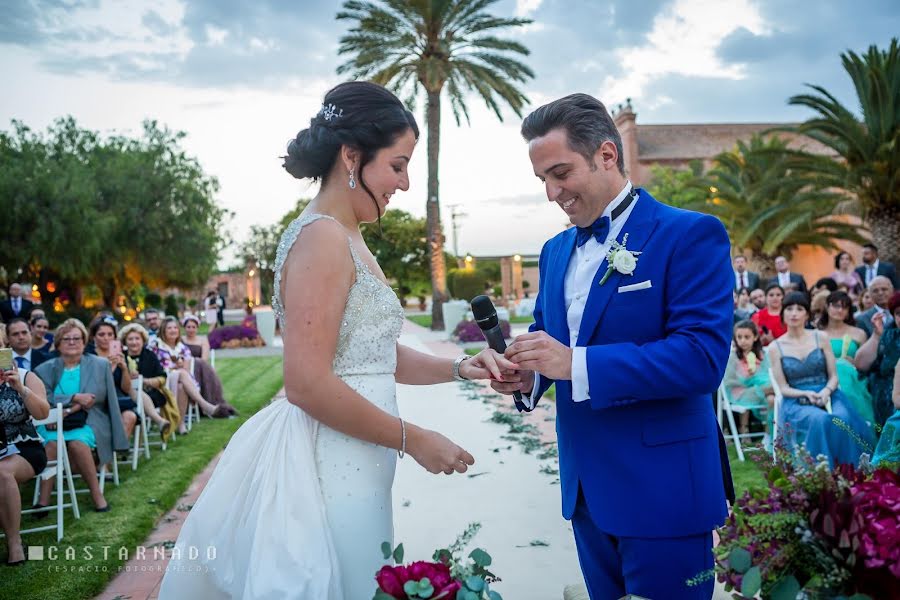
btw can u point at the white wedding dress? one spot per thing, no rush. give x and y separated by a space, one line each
295 509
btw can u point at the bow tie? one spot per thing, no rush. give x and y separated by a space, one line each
599 229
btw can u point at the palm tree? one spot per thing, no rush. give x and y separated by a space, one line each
767 208
431 45
868 165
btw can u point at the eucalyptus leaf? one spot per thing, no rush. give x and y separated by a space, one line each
380 595
739 560
398 554
411 588
492 595
785 588
467 595
751 583
481 558
474 583
386 550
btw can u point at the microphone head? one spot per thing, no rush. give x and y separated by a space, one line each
484 312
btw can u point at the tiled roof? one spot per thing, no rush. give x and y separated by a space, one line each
704 141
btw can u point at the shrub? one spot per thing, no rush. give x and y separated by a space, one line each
153 300
468 331
171 305
465 284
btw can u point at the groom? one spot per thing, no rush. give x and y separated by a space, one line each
635 344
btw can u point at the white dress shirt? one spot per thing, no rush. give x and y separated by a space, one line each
871 272
583 266
17 304
784 279
742 280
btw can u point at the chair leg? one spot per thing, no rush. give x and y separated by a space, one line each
735 434
135 452
67 469
102 475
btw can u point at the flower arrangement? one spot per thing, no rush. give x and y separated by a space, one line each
468 331
826 532
234 336
445 578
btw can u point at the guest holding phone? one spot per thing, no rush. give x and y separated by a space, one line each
768 319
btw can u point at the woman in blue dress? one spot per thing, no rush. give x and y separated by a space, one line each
814 412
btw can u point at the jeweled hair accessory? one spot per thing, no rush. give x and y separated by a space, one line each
330 111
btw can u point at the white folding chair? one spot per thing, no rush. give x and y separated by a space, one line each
192 408
137 385
60 469
212 357
779 397
726 408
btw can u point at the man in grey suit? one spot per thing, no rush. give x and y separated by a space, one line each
785 278
742 277
880 289
872 267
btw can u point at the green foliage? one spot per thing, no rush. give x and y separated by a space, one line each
676 187
400 249
868 161
114 212
465 284
171 305
262 243
766 206
153 300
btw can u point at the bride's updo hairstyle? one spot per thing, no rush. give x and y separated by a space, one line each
362 115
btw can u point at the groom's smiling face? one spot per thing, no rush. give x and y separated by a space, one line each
582 188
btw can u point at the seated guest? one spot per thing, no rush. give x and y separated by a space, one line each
747 373
103 343
768 319
881 363
176 359
758 299
865 301
743 307
22 455
844 274
159 405
826 283
84 384
888 449
846 341
805 370
880 289
872 267
41 338
18 334
208 379
152 318
817 306
743 278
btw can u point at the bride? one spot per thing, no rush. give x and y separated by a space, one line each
300 502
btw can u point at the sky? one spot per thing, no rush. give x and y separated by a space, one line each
242 78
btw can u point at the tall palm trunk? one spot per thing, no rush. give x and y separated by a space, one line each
433 213
885 224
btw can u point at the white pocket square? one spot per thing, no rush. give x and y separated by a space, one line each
636 286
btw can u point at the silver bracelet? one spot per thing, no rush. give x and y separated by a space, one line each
457 364
402 451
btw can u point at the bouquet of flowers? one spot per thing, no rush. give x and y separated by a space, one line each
446 577
828 532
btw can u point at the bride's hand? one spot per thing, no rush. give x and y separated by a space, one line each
436 453
487 364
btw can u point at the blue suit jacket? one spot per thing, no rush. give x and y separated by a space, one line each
644 449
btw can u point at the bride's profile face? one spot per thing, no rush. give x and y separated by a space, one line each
387 172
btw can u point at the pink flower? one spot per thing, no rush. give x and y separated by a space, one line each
878 502
439 576
391 579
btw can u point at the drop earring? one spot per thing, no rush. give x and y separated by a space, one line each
352 181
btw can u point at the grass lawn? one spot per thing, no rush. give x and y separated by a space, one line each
746 474
423 320
142 497
527 319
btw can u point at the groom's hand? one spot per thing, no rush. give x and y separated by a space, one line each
538 351
514 381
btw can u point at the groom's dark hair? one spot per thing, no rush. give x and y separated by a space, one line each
586 121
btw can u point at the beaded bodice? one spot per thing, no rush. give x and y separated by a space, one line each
810 370
373 317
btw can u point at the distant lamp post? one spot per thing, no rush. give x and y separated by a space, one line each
517 258
469 261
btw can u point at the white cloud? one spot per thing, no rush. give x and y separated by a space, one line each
525 8
215 36
683 41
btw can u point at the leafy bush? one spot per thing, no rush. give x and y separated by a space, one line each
468 331
465 284
171 303
153 300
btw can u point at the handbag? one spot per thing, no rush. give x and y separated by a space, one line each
75 420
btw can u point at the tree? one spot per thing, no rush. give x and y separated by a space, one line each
114 213
429 46
868 149
676 187
262 245
400 250
766 207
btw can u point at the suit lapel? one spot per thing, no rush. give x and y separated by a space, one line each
639 227
557 283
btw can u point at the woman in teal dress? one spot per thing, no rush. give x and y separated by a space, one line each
888 448
846 340
881 363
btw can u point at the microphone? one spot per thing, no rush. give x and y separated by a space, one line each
486 316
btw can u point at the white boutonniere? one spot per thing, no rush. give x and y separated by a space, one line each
620 259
